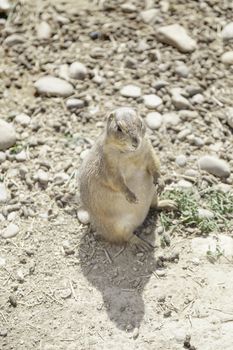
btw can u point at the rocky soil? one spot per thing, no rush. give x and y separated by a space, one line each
64 65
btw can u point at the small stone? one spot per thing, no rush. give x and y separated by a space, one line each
181 160
198 99
191 173
184 184
78 71
215 166
171 119
84 153
2 261
67 248
180 102
160 273
229 116
167 313
21 156
205 214
61 178
3 193
183 134
63 72
159 84
3 332
196 261
53 86
176 36
128 8
152 101
10 231
74 103
7 135
42 177
182 70
2 157
130 91
20 276
135 333
193 90
227 58
23 119
154 120
65 293
13 300
227 32
14 39
149 16
4 6
44 31
83 216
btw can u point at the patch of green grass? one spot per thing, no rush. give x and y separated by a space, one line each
17 148
221 204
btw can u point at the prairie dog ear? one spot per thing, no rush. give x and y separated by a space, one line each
110 118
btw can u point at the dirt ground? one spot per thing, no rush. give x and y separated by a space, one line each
61 288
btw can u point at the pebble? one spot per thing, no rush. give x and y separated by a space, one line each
2 261
23 119
227 32
77 70
83 216
10 231
214 165
20 276
205 213
182 70
229 116
63 72
74 103
171 119
84 153
3 332
176 36
160 273
227 58
61 178
4 6
52 86
154 120
135 333
44 31
65 293
184 184
130 91
181 160
7 135
14 39
180 102
2 157
195 261
42 177
213 243
149 16
198 99
191 173
3 193
21 156
128 8
193 90
152 101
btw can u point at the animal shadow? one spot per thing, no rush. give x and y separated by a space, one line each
120 273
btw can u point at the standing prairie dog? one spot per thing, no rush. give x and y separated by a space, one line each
118 178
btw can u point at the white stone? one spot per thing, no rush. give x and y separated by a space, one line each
53 86
184 184
227 58
2 261
61 178
10 231
83 216
77 70
128 8
21 156
214 165
3 193
154 120
84 153
7 135
130 91
4 6
44 31
205 213
227 32
152 101
14 39
74 103
63 72
198 99
181 160
149 16
180 102
229 116
42 177
23 119
2 157
171 119
214 244
182 70
176 36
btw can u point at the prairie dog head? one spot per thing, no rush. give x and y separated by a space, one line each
125 129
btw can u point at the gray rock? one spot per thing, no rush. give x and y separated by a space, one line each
42 177
78 71
130 91
182 70
205 213
176 36
2 157
10 231
74 103
83 216
21 156
171 119
154 120
229 116
181 160
7 135
180 102
44 31
227 32
193 90
3 193
14 39
149 16
215 166
23 119
53 86
152 101
4 6
227 58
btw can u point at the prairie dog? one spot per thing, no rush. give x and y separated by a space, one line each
118 178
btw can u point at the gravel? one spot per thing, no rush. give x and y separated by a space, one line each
7 135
